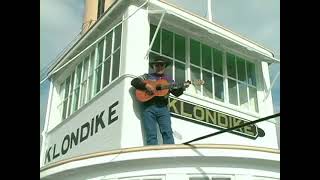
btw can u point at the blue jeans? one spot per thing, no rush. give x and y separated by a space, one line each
153 114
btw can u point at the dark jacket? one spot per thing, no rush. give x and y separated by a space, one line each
161 100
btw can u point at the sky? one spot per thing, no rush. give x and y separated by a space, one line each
257 20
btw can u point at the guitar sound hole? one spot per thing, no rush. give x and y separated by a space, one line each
158 87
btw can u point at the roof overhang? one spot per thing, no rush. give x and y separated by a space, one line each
101 26
205 29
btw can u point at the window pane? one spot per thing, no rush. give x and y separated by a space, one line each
231 65
90 88
90 78
207 87
98 79
167 43
117 36
195 52
92 60
156 43
218 88
251 73
116 65
180 72
243 95
253 99
108 44
206 57
67 87
64 112
79 71
63 92
195 75
241 68
84 81
180 48
85 68
233 96
169 69
100 52
217 61
75 101
106 72
70 94
83 93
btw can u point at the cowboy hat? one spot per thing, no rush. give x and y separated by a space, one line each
159 59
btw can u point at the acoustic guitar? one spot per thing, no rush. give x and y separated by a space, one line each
162 88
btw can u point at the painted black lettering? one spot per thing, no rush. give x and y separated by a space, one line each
99 120
74 139
82 136
250 129
172 105
237 122
201 112
48 155
112 112
65 139
209 118
54 152
92 121
223 120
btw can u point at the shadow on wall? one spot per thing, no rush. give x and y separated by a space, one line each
137 108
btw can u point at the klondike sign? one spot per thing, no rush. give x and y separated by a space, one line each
205 116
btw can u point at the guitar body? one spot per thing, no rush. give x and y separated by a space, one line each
162 87
143 95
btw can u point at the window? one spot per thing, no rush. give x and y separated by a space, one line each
173 47
179 48
84 81
224 73
70 94
90 77
156 43
107 65
99 66
167 43
116 52
107 62
76 92
195 52
242 83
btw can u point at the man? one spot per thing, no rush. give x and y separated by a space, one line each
156 110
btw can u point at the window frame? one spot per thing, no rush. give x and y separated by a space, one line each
91 77
250 109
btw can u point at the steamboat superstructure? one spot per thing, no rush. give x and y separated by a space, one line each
93 124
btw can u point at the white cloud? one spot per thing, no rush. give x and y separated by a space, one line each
60 22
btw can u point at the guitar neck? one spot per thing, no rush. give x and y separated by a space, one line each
176 85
